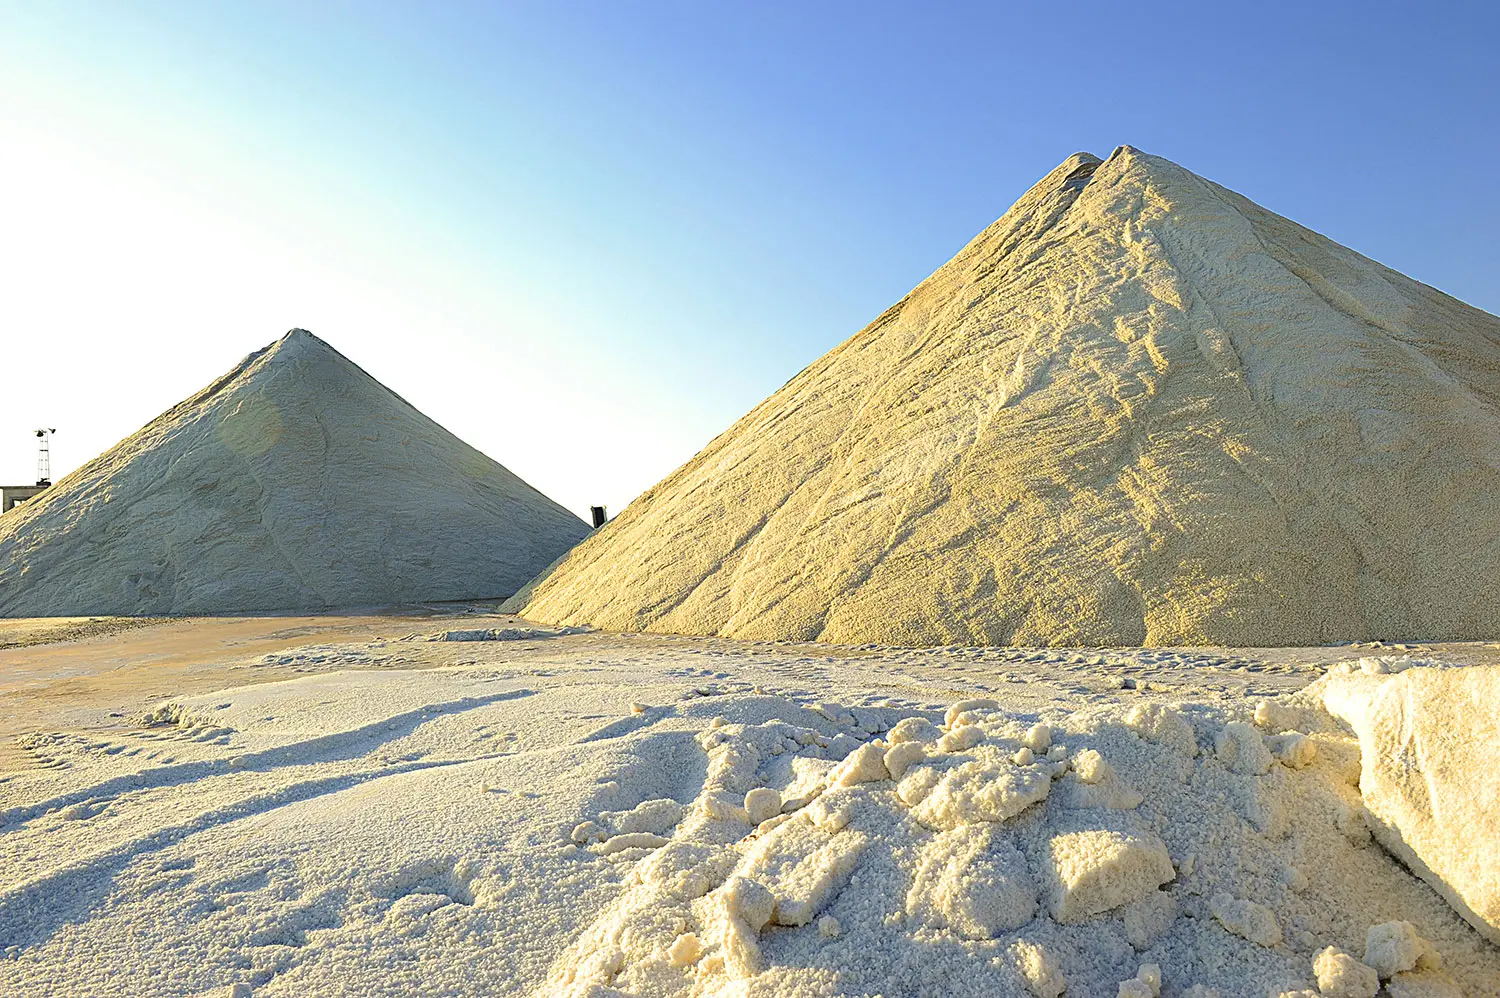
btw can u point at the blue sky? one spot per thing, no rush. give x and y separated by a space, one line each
587 237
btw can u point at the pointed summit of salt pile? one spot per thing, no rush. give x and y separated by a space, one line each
1137 409
296 480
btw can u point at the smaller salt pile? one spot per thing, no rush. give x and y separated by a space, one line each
1140 851
296 480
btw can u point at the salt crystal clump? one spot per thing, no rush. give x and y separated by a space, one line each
956 712
630 840
1164 725
829 927
589 831
762 804
1091 767
1092 872
1145 984
1341 976
961 739
1245 918
1099 786
973 881
1292 749
1038 968
745 907
655 816
913 729
865 764
685 950
902 756
1241 747
1428 776
986 788
1393 947
1038 737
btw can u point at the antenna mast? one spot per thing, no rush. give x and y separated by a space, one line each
44 456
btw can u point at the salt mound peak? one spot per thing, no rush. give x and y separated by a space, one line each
1137 409
295 480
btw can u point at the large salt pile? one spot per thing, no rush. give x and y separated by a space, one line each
296 480
1138 409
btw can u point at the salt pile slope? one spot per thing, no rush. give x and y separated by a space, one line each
296 480
1138 409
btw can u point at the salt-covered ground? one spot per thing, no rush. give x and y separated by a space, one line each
471 805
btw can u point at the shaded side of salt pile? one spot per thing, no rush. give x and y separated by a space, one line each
1138 409
294 481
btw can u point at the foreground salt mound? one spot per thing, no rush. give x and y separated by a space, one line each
1137 409
1127 849
296 480
1430 775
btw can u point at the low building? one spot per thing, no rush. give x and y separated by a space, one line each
13 495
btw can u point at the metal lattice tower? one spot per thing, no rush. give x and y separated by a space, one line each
44 456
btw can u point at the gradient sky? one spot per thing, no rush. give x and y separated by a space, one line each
587 237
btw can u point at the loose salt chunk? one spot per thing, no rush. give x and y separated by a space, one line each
1164 725
1241 747
1039 968
1351 821
961 739
762 804
1091 767
631 840
1295 879
1393 947
828 927
830 812
1135 988
1038 737
1024 757
902 756
656 815
1150 975
917 784
1293 749
913 729
1092 872
589 831
1057 752
1274 716
746 907
685 951
1246 919
980 791
638 708
1341 976
865 764
964 706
